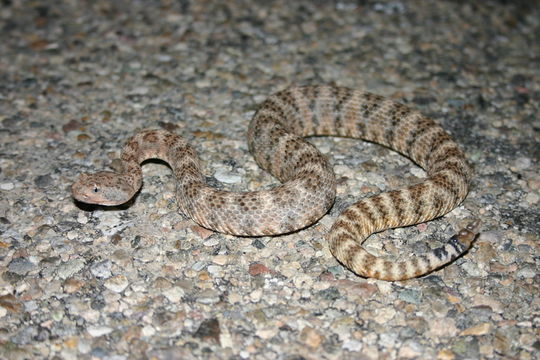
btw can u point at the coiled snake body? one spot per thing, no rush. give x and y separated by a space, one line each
275 138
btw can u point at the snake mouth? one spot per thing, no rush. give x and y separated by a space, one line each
92 200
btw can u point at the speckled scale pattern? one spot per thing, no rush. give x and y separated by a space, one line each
275 138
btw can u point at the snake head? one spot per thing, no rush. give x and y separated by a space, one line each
104 188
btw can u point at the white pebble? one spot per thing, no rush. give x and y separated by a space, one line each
117 283
30 306
324 148
163 58
521 163
198 266
382 316
220 259
267 333
233 298
148 330
290 269
256 295
227 177
410 351
203 83
532 198
352 345
7 186
90 315
213 241
214 269
96 331
303 281
174 294
419 173
82 219
84 346
259 98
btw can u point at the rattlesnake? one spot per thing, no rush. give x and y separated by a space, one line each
275 138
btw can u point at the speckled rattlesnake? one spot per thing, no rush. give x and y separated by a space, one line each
275 138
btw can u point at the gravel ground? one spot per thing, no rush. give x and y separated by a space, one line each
77 78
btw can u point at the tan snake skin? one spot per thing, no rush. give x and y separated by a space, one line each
275 138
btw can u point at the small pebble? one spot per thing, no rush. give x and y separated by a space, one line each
11 303
101 269
410 296
256 295
480 329
96 331
7 186
528 271
211 242
311 337
220 259
174 294
117 283
214 269
43 181
352 345
532 198
444 327
73 285
410 351
198 266
267 333
82 218
521 164
148 330
21 266
208 297
227 177
256 269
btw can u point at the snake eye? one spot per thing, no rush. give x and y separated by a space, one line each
96 189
